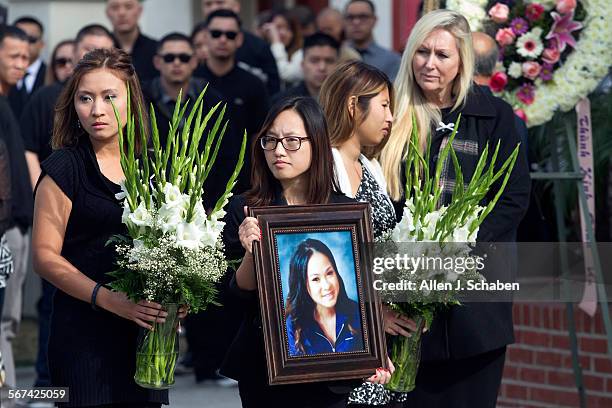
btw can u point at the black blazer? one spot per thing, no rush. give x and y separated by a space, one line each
18 100
475 328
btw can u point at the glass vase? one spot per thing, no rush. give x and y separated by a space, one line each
405 355
157 352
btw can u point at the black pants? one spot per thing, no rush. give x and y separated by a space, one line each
465 383
257 394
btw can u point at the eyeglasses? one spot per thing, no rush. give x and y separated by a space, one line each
291 143
169 58
361 17
62 62
32 39
230 35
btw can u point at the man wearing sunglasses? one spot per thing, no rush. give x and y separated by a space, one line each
247 95
254 54
35 73
175 61
248 104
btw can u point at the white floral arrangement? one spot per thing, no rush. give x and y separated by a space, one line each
447 232
173 252
545 76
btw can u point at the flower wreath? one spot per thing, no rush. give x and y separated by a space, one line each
552 52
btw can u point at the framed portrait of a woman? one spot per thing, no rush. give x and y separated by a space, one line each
320 314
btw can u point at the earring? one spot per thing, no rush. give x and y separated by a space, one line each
78 124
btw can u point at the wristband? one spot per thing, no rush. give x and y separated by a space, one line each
94 295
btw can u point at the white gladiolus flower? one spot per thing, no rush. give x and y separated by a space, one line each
121 195
188 235
173 196
404 229
125 217
170 217
141 216
210 233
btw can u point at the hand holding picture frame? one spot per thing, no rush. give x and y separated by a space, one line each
321 316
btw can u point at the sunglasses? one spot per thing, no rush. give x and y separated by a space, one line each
169 58
62 62
230 35
32 39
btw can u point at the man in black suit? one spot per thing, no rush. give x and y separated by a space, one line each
35 73
254 54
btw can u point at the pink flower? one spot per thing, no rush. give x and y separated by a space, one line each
531 69
562 29
521 114
551 55
526 94
566 6
534 11
505 36
498 82
499 13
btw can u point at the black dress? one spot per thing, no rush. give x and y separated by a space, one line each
246 361
91 352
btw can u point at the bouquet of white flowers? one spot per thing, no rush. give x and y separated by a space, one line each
173 254
442 237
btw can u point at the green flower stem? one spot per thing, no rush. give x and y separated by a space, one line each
405 355
157 353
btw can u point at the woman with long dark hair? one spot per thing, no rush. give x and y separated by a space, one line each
320 316
291 165
93 331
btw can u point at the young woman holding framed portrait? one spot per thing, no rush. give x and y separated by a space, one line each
291 165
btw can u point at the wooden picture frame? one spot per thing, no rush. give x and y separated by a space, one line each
297 351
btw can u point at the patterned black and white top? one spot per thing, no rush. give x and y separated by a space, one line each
383 214
6 261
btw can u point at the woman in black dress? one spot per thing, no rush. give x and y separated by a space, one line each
291 165
93 335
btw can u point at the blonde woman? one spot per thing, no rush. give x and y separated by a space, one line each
463 354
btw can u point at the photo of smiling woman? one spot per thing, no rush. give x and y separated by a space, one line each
320 317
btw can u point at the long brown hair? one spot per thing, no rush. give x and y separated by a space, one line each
66 129
321 172
358 79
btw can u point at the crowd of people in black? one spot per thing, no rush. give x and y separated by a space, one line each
287 56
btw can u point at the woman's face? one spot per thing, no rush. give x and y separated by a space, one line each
284 30
63 63
377 124
323 285
287 165
92 102
436 63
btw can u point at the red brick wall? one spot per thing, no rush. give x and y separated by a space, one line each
538 371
